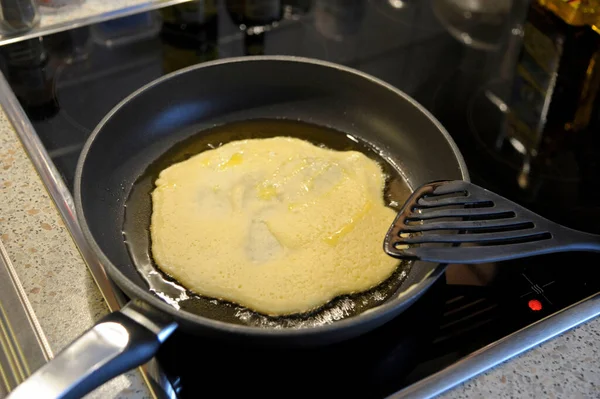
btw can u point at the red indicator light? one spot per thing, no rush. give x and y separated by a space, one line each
535 305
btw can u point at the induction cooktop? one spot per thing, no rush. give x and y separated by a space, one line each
474 316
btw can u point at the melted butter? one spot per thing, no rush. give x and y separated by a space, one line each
266 191
335 238
309 183
235 160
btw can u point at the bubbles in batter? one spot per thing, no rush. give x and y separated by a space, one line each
278 225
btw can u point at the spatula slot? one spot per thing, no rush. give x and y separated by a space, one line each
474 226
518 240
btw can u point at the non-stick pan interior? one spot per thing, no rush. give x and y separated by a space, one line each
165 113
138 211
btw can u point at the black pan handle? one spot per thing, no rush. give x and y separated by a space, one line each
117 343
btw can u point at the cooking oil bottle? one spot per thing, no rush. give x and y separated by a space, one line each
556 83
189 34
255 18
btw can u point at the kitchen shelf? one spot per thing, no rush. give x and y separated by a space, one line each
90 12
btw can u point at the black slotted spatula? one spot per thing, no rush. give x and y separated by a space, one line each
458 222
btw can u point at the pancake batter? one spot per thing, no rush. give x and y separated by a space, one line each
277 225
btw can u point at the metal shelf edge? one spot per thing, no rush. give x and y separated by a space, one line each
107 15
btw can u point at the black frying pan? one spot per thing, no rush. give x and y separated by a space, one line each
185 104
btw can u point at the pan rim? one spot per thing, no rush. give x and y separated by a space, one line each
115 273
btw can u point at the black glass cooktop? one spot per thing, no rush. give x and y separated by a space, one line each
458 63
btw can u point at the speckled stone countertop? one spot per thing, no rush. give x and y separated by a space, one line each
67 301
567 366
59 286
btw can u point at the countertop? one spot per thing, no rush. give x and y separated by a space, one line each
67 302
59 286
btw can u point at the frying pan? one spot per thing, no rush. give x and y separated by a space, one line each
184 103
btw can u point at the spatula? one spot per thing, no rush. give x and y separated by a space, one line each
458 222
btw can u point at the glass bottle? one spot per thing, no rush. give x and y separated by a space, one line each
556 82
26 65
255 18
189 34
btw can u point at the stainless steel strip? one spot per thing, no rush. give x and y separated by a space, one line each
42 30
503 349
23 345
57 189
63 200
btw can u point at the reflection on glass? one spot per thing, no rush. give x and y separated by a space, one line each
189 34
294 9
70 46
255 18
397 3
335 19
126 30
26 66
59 5
480 24
18 15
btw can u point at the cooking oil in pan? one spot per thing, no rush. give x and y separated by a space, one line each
139 208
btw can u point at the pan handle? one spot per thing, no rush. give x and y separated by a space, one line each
117 343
